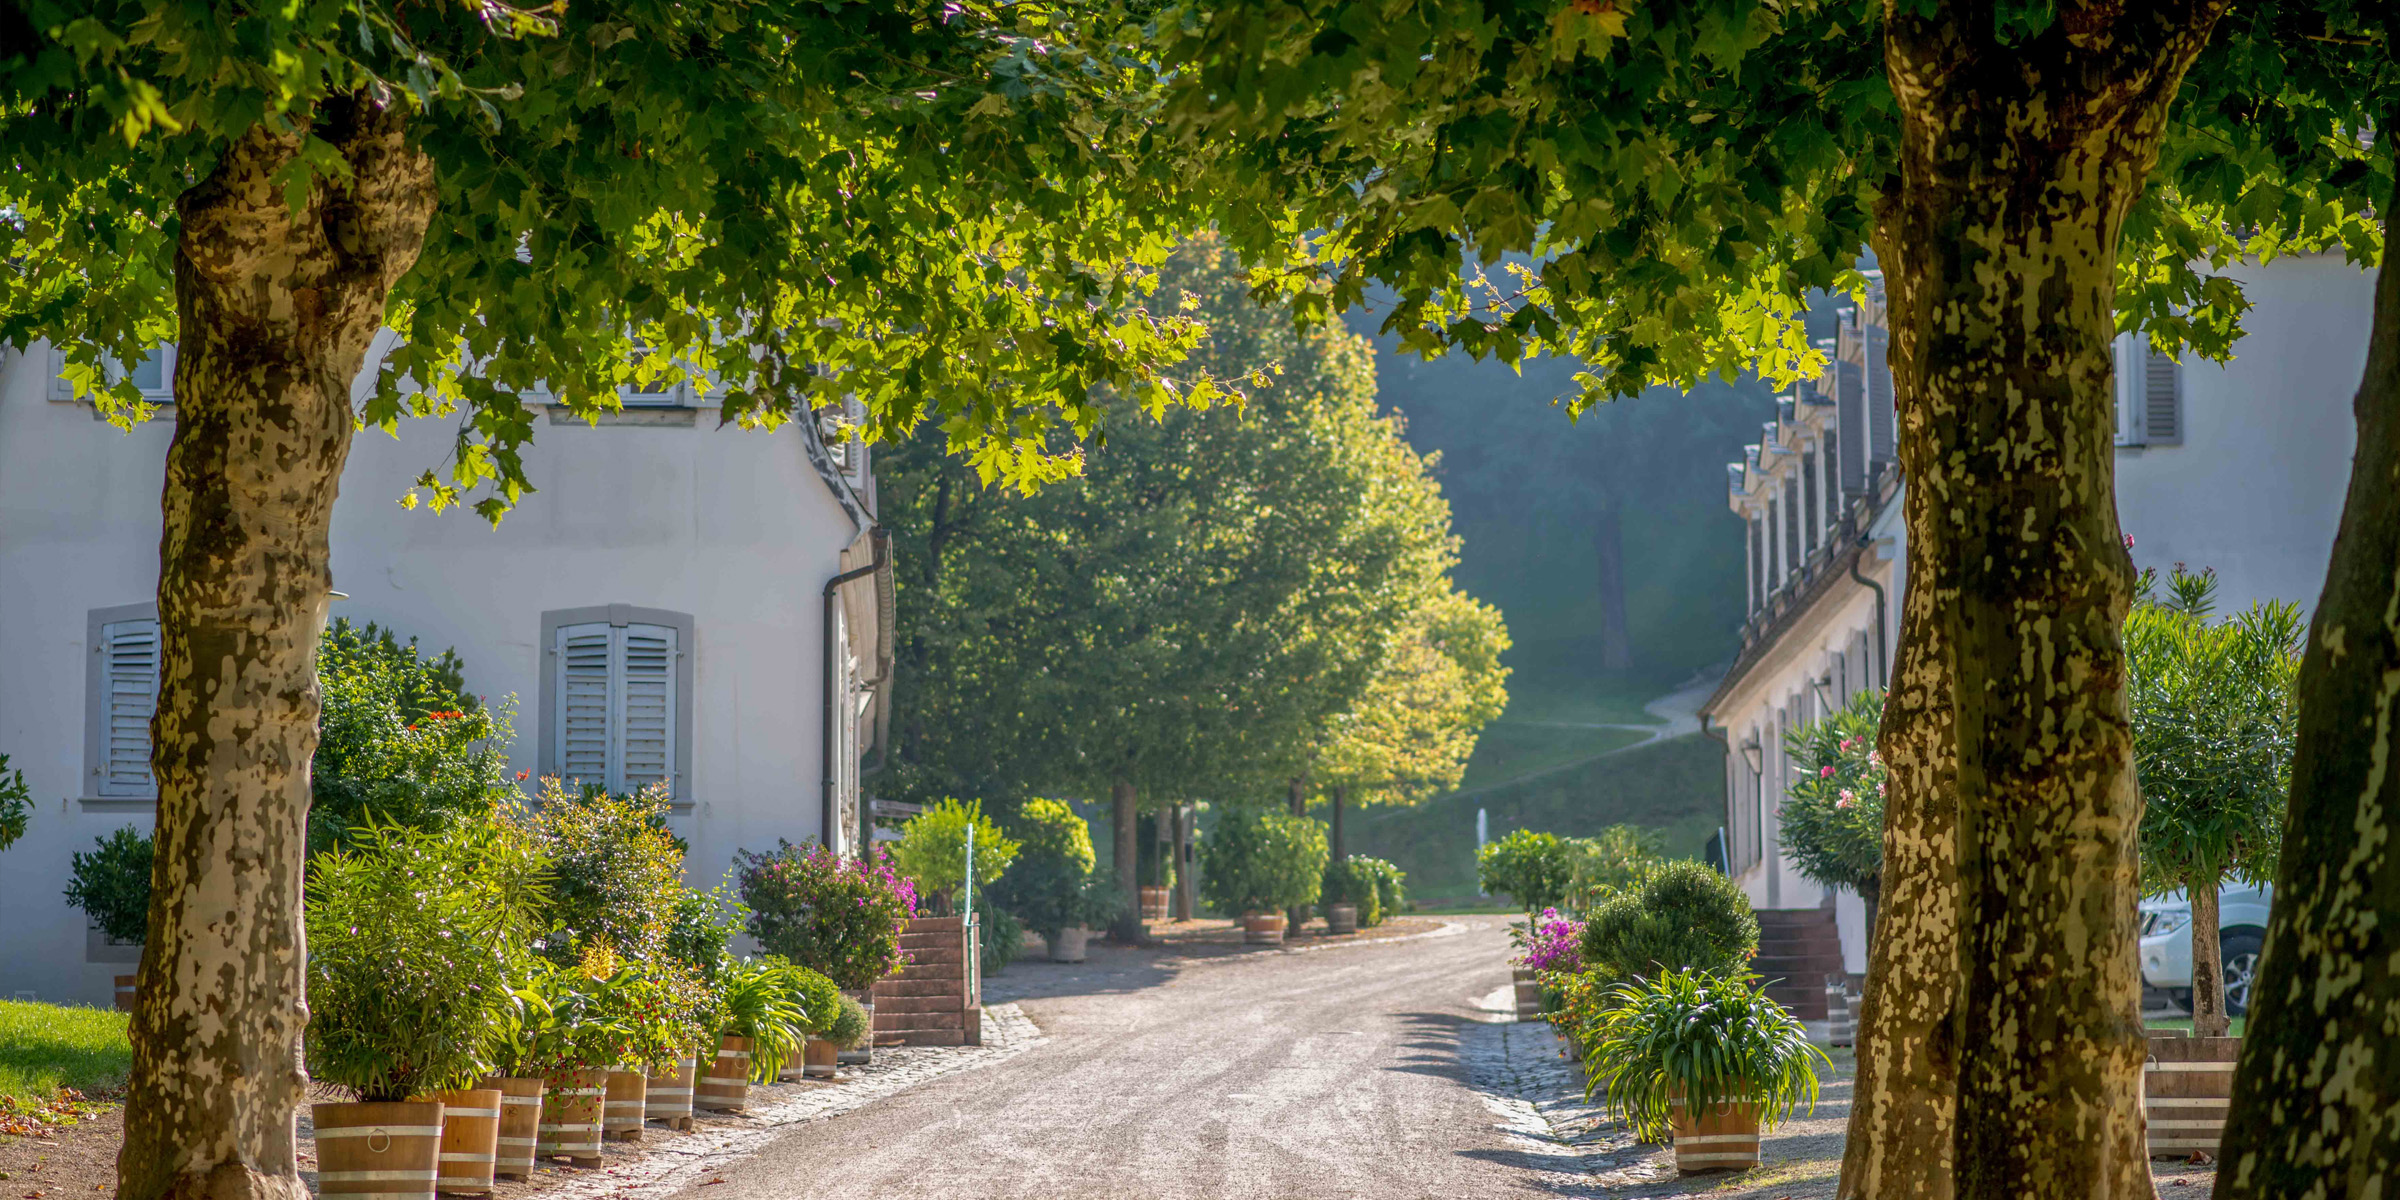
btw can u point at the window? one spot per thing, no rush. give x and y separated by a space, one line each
155 375
2149 396
616 698
1812 515
121 694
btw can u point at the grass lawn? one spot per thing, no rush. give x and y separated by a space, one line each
2184 1025
1513 749
44 1047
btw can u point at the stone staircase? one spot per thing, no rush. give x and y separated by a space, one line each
936 1000
1797 949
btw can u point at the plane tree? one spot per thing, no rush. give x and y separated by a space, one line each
926 206
1654 189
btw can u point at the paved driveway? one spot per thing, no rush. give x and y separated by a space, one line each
1278 1076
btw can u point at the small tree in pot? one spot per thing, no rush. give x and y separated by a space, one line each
1351 882
1704 1058
1257 864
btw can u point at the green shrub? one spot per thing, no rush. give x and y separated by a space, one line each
111 883
775 1002
1256 862
399 739
1389 895
414 940
1683 916
1611 862
829 913
619 871
1705 1040
1351 881
1001 934
851 1027
1045 885
933 850
1533 869
16 804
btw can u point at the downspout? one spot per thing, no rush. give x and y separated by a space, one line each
832 728
1883 673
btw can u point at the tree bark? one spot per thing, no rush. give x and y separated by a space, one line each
2019 156
1608 548
1126 826
1184 883
276 309
1904 1115
2208 961
2316 1096
1335 797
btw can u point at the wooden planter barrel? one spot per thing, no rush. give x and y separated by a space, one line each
2186 1085
864 1052
627 1097
725 1085
668 1097
1154 903
1071 945
520 1123
125 992
470 1141
1262 929
571 1110
1528 993
820 1058
1341 918
1722 1139
388 1151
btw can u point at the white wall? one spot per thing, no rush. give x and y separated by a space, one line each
2255 490
733 527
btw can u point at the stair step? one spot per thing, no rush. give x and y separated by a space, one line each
898 985
938 956
911 1022
954 1002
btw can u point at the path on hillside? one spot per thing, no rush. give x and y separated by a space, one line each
1678 714
1328 1075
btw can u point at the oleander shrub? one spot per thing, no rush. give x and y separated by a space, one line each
831 913
400 740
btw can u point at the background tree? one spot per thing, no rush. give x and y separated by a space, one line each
1534 869
1185 619
919 205
1680 178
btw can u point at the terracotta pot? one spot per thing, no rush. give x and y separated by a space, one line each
389 1151
470 1141
1070 945
1723 1139
668 1095
627 1096
1341 918
571 1116
1262 929
725 1085
520 1122
2186 1085
819 1058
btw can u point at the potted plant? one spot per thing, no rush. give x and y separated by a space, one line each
1092 906
413 937
1350 896
852 1025
1046 885
1258 864
838 916
111 884
1533 869
1703 1058
1550 949
1683 916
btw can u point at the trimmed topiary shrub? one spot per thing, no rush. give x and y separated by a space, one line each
1683 916
111 884
1045 885
1255 862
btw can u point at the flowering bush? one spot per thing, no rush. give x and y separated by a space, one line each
831 914
1554 943
619 871
400 740
1833 819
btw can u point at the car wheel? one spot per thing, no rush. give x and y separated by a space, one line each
2240 948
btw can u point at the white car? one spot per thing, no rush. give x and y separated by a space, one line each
2241 934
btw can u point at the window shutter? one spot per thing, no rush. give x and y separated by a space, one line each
2162 400
129 695
585 653
647 707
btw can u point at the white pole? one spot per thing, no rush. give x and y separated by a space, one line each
1483 833
967 906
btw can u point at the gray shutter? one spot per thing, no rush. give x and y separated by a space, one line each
129 663
646 707
2162 401
586 654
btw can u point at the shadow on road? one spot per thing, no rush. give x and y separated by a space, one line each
1106 969
1433 1042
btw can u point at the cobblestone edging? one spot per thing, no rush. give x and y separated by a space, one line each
1536 1095
664 1164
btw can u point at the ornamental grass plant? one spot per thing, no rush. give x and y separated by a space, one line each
1703 1039
775 1003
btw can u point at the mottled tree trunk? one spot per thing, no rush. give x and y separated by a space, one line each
276 311
2208 961
1903 1117
1334 797
1297 915
1125 826
2018 161
1184 883
1608 549
2316 1101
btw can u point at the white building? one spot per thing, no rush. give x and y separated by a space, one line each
2241 468
657 610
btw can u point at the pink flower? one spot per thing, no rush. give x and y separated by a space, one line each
1846 801
2129 541
1826 773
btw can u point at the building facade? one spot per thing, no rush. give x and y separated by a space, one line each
2239 467
657 612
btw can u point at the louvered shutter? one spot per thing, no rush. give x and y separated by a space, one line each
586 659
2162 400
646 707
129 660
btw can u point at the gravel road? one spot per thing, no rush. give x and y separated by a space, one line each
1276 1076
